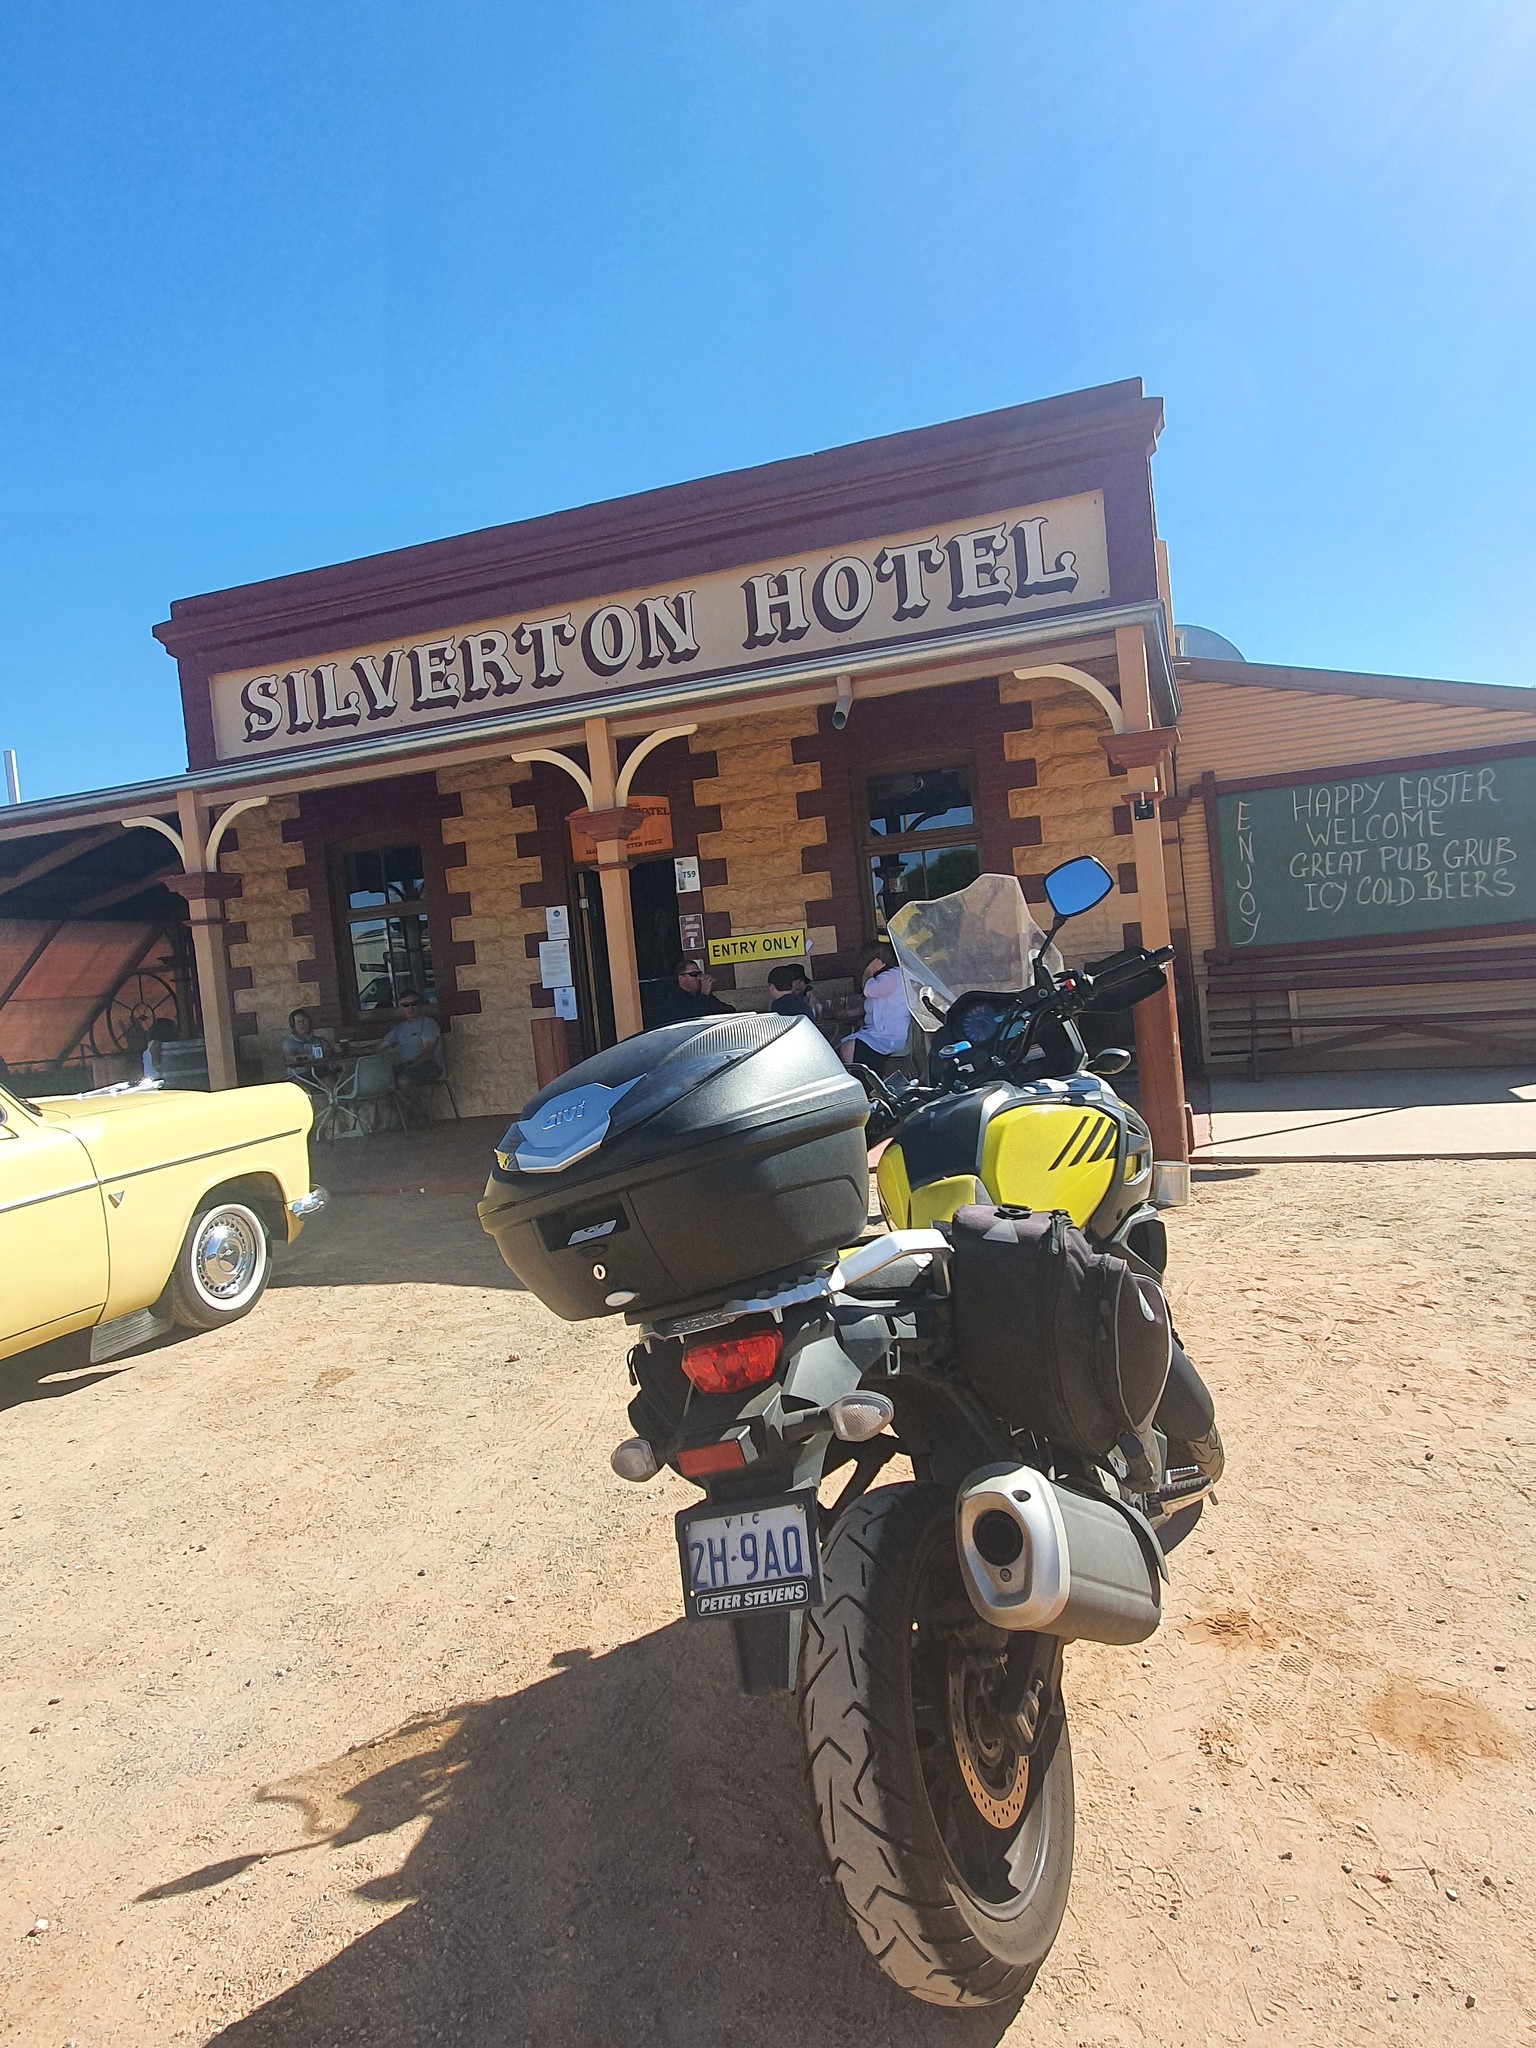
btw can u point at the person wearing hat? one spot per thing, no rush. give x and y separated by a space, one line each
791 987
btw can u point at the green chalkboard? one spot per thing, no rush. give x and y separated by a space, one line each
1385 851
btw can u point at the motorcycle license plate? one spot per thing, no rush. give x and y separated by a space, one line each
750 1557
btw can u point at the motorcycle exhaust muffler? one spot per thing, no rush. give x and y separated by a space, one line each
1040 1556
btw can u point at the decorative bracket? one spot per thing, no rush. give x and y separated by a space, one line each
577 773
647 746
226 818
215 839
1063 672
166 832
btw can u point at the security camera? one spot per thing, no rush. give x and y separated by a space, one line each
844 704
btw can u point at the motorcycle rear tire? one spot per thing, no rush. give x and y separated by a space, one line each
896 1836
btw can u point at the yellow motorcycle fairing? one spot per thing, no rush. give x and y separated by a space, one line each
1070 1145
935 1202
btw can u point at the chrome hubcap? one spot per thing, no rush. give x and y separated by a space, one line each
227 1257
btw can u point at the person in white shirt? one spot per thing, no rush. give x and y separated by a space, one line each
882 1039
160 1033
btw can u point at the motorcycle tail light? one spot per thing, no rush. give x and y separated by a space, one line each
728 1365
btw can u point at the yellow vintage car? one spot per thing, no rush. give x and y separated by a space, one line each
125 1211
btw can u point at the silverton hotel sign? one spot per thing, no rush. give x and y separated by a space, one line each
922 585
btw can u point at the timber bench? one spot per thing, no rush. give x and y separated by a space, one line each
1251 1002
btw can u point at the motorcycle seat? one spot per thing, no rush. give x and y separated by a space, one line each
901 1280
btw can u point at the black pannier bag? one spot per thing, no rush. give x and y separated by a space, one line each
1057 1338
680 1165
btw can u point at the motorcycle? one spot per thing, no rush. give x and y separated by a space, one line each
1005 1335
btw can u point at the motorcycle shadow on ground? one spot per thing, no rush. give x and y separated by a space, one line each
622 1852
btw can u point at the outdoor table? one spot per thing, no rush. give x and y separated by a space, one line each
329 1115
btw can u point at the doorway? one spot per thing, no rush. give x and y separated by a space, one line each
653 907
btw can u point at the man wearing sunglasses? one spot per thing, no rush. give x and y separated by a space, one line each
694 995
416 1044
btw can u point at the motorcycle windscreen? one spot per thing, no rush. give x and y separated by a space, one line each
982 937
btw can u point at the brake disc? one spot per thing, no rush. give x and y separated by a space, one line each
992 1764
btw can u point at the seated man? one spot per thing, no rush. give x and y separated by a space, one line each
415 1043
692 996
791 987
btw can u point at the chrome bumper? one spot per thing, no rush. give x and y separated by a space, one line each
308 1205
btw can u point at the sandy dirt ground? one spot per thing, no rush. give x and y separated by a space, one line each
343 1698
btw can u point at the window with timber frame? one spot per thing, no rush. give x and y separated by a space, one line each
920 834
384 939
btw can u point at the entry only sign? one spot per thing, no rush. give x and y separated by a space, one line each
742 946
1381 850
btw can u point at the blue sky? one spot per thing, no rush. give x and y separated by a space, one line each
284 284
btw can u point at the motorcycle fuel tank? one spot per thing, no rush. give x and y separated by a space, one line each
1071 1145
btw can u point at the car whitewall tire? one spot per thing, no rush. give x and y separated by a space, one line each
222 1268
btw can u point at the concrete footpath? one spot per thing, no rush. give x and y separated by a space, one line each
1427 1113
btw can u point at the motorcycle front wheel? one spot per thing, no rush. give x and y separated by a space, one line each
947 1815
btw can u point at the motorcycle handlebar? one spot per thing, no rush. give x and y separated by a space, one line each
889 1107
1129 965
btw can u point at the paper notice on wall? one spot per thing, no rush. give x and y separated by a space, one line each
565 1004
687 870
555 963
557 922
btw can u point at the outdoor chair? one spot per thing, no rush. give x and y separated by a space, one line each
361 1100
418 1103
446 1085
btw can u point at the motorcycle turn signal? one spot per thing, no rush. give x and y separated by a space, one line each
857 1417
634 1459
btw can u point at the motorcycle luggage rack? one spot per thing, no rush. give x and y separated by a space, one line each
852 1270
866 1260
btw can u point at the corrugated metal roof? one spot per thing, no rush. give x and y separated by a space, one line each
1335 682
64 975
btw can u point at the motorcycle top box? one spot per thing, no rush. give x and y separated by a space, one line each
681 1164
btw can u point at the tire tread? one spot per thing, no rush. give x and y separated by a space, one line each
882 1847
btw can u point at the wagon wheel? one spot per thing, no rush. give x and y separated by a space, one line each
136 1003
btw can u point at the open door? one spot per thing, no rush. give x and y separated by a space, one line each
653 906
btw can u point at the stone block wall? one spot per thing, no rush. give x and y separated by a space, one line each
490 1055
766 848
264 954
1061 787
1045 795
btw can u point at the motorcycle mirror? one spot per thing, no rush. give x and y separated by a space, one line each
1077 885
1114 1059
